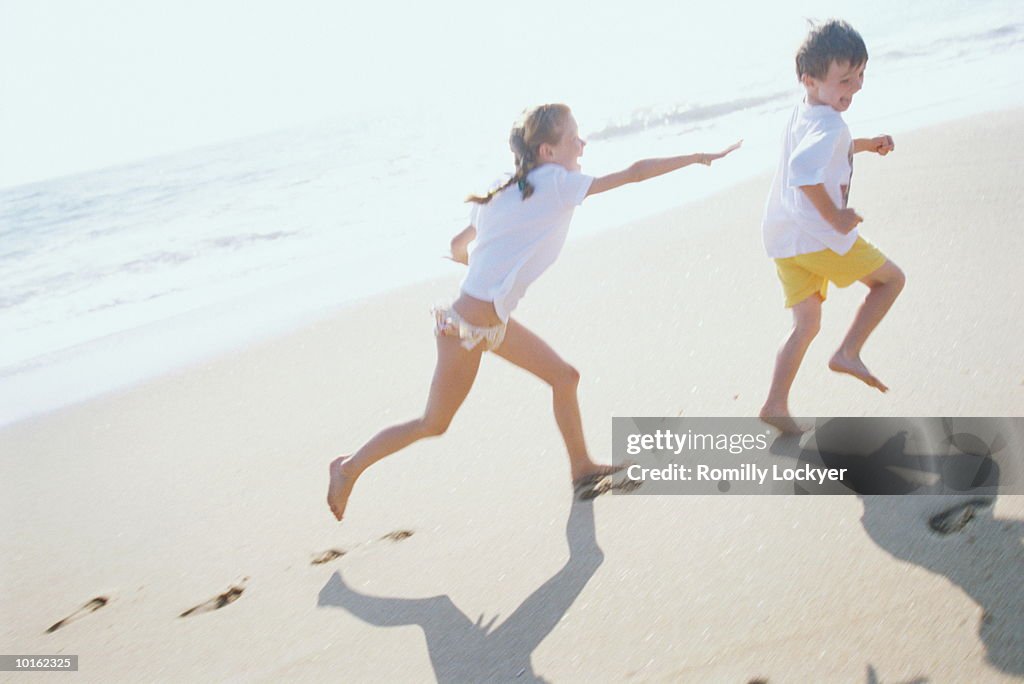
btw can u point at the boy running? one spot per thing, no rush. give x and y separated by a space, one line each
808 228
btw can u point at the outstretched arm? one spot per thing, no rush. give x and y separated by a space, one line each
651 168
460 245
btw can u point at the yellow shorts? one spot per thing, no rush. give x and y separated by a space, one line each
805 274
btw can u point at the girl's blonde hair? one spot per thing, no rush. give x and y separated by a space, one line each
536 126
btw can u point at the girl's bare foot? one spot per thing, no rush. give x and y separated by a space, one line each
841 363
340 488
594 471
595 480
781 421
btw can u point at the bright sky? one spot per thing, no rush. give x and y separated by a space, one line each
89 84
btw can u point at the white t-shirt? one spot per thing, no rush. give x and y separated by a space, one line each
816 148
517 240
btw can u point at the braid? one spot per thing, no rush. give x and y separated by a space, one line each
524 165
535 127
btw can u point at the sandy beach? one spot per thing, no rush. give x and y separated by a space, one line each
464 557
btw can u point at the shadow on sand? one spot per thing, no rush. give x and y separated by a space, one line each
955 535
462 650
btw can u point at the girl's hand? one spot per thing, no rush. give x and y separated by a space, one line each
460 254
706 159
459 245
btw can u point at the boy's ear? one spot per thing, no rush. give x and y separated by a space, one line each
807 80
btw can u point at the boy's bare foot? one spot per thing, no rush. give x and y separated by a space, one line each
781 421
841 363
340 487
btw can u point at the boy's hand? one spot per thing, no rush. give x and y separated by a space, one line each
842 220
845 220
881 144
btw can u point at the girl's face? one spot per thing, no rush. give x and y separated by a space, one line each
568 150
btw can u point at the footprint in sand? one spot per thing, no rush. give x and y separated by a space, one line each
326 556
89 607
332 554
219 601
956 518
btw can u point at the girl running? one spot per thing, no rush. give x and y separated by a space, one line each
520 228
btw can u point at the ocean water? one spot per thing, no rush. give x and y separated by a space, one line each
115 275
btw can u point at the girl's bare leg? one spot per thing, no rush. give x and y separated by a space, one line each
453 376
531 353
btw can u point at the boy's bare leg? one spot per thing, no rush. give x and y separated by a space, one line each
885 283
806 323
528 351
453 377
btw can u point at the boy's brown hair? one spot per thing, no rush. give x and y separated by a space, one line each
833 41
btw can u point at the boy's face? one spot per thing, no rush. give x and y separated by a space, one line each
838 87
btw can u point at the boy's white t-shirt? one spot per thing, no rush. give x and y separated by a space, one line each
817 148
517 240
